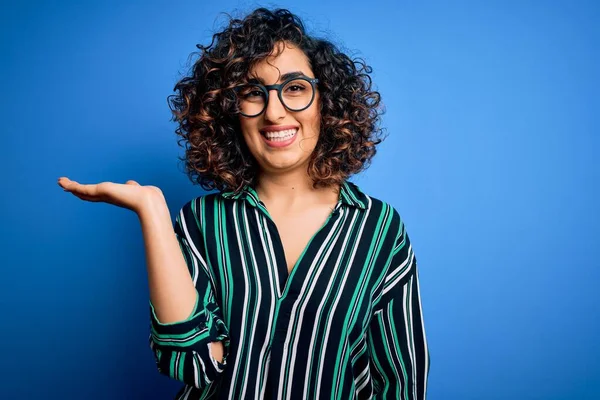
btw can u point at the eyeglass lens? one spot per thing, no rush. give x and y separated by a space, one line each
296 95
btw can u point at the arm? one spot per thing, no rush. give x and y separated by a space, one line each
185 318
397 341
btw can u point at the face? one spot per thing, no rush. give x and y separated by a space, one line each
282 154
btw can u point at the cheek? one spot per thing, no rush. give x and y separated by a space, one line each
313 120
246 124
250 142
317 114
247 129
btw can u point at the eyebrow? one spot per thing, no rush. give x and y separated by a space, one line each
287 75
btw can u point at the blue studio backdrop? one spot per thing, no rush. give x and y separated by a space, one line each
492 117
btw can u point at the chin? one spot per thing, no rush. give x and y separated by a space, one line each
282 163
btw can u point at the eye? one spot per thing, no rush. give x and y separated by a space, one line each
250 92
296 88
253 93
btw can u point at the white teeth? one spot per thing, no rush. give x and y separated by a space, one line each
281 134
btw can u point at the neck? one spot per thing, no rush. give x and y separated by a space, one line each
293 190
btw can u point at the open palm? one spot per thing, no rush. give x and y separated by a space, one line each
130 195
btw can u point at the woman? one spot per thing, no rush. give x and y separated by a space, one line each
290 282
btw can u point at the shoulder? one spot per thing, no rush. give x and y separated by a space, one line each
381 212
196 207
203 201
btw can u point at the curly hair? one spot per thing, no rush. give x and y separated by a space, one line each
216 155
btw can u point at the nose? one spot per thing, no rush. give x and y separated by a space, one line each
275 109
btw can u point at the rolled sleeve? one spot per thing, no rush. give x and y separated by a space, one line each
182 348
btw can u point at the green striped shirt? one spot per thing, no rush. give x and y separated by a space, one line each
345 324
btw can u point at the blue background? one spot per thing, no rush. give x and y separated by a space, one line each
491 159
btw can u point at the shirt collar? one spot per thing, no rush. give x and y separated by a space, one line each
350 195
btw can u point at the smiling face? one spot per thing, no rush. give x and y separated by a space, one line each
289 151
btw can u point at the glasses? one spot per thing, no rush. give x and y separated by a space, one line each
296 94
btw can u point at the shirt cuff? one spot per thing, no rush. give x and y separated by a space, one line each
179 327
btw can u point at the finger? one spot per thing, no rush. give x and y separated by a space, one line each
63 181
71 185
132 182
84 197
90 190
68 185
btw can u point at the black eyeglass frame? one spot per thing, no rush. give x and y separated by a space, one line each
279 87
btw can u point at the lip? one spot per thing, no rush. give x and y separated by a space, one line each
277 128
283 143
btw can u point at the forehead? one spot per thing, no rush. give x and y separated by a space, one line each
286 59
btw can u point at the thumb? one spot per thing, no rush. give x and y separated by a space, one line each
132 182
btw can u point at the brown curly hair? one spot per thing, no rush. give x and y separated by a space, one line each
216 155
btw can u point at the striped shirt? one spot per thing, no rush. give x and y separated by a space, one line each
345 324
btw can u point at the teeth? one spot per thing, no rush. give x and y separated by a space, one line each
281 134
